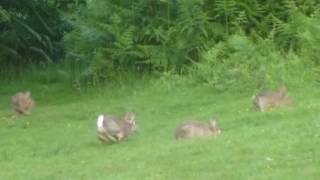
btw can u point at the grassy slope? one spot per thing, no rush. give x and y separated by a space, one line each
58 140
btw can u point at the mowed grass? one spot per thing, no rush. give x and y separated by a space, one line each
58 140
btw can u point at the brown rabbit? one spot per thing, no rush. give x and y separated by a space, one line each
111 129
196 129
267 100
22 102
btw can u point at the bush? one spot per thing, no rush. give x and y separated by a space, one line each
230 42
242 62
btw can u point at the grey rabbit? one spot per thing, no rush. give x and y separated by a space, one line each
196 129
267 100
112 129
22 102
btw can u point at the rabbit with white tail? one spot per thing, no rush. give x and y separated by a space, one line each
267 100
196 129
112 129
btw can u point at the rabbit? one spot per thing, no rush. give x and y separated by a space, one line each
196 129
267 100
112 129
22 103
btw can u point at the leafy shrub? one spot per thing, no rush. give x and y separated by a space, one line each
222 43
31 32
241 62
113 37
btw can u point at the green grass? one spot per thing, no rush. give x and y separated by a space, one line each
57 141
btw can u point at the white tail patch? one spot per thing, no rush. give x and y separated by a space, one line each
100 122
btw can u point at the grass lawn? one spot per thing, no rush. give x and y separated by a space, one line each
57 141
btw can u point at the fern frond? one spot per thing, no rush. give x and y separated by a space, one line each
42 53
29 29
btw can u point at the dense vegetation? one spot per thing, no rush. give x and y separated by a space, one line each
219 43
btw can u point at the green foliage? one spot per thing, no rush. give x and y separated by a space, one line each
112 37
4 16
242 62
31 32
308 37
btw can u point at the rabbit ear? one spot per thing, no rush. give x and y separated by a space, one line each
283 89
130 116
27 93
213 122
